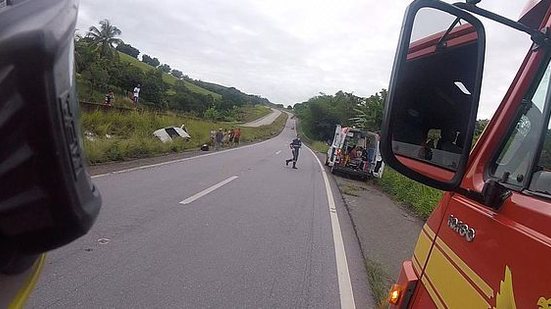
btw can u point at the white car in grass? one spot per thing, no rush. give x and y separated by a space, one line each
168 134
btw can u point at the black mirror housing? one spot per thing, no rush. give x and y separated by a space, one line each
47 198
432 102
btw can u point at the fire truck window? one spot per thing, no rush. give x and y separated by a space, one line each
541 180
513 163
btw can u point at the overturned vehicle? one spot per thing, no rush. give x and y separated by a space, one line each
355 152
168 134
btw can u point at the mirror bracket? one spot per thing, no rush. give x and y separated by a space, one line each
539 37
493 194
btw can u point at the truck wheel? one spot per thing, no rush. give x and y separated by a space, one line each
326 161
333 169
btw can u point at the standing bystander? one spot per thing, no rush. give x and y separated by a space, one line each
236 136
136 95
218 139
109 97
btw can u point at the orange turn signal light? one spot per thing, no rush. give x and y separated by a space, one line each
394 294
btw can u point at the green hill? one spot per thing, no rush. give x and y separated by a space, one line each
167 77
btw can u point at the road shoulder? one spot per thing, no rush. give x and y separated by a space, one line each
386 231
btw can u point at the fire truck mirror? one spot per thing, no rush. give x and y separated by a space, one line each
433 96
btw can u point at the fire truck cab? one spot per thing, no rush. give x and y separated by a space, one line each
488 242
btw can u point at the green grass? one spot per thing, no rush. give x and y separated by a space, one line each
129 135
418 197
319 146
251 113
167 78
379 281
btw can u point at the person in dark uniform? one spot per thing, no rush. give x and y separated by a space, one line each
295 146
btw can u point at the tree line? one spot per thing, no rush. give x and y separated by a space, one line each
320 114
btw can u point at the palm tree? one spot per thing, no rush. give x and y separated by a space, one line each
104 39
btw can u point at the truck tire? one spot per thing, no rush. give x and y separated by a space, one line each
326 161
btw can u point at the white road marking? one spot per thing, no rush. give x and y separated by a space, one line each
345 285
176 161
208 190
278 152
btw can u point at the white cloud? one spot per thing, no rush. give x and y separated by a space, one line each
288 51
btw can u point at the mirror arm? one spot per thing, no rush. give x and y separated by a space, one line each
539 37
450 28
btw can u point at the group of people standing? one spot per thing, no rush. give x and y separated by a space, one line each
226 138
109 98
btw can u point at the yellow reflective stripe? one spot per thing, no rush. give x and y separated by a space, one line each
422 248
482 285
432 293
416 266
429 232
29 284
453 288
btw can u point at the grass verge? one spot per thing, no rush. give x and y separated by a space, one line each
116 136
379 281
418 197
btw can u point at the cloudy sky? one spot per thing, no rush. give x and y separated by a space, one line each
289 51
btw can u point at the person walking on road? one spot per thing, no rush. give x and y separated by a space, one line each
295 146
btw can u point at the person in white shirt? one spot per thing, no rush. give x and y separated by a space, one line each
136 94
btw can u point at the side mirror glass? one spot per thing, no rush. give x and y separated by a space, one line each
433 96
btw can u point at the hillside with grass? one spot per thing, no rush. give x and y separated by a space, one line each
167 78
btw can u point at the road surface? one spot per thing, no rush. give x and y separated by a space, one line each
230 229
266 120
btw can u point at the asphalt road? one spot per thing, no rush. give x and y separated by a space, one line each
266 120
232 229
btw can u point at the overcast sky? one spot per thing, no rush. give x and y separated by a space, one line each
289 51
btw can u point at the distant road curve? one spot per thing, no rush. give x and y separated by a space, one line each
266 120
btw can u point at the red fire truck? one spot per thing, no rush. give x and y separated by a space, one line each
488 242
